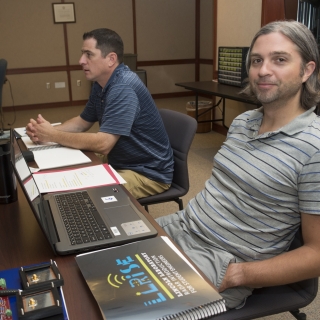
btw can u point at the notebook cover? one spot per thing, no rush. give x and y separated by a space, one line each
147 280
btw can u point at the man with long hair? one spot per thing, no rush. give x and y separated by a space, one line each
265 181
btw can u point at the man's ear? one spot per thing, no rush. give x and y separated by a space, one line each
113 58
308 70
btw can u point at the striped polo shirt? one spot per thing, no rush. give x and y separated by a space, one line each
259 185
125 107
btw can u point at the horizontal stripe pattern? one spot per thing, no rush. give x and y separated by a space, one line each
259 185
125 107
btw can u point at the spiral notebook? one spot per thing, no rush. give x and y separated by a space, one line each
148 279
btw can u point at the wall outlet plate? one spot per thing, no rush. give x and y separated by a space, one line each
59 85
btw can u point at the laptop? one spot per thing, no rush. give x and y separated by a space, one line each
110 218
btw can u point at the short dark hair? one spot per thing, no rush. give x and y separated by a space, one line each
107 41
308 49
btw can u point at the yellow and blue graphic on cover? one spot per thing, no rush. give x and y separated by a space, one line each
151 276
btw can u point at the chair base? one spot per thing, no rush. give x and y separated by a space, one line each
299 315
178 201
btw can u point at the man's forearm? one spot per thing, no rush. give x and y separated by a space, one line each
74 125
289 267
83 141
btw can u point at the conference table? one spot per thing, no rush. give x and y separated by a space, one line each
214 88
22 243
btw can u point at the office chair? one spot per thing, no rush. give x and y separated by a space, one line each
272 300
181 129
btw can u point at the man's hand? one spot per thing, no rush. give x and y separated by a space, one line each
285 268
71 134
232 276
39 130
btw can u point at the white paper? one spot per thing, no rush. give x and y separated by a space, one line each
33 146
73 179
31 189
22 131
22 168
59 157
120 179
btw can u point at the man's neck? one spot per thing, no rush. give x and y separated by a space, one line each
102 82
276 116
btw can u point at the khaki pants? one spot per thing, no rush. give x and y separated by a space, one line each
137 184
140 186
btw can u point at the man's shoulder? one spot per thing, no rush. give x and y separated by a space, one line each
313 131
124 72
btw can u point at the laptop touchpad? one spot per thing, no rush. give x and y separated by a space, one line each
127 218
118 215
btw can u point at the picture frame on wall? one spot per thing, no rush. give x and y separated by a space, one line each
63 12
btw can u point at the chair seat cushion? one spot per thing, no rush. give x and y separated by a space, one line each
168 195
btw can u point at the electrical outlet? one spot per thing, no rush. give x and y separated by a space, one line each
79 83
48 85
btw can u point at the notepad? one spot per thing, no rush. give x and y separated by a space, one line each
50 155
59 157
30 145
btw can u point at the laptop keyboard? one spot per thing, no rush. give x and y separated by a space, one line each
81 218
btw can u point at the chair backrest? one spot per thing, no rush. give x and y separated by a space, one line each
181 129
3 70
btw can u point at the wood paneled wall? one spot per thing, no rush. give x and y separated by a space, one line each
173 41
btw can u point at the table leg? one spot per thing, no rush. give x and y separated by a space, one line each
197 113
224 112
216 105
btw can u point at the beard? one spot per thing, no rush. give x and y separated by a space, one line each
278 93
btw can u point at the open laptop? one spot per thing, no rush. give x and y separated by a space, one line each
116 220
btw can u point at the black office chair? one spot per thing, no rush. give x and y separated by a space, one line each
181 129
272 300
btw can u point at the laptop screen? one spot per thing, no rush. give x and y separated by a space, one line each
28 185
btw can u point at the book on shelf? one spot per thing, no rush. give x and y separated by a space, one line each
148 279
50 155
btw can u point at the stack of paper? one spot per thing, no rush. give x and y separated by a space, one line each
52 155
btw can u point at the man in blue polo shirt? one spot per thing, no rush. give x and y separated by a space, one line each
131 135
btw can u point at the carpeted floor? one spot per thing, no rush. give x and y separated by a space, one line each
201 153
